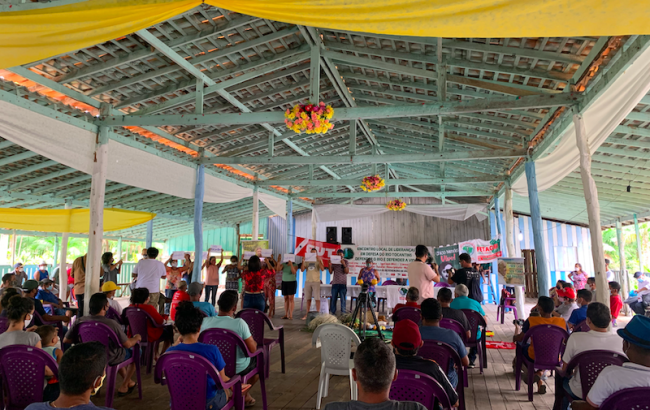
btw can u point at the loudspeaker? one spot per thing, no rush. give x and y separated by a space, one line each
346 236
331 235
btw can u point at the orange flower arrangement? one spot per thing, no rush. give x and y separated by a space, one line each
396 205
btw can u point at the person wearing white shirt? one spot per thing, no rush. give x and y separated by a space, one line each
598 338
148 273
635 373
611 276
642 295
109 288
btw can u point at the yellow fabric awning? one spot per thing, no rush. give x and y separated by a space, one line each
68 220
27 36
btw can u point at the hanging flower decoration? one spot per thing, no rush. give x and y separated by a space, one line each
372 183
309 118
396 205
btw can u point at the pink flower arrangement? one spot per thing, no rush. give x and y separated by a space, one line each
396 205
309 118
372 183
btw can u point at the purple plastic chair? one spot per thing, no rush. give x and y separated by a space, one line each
137 320
185 374
22 370
4 324
456 326
581 327
442 285
407 312
37 318
475 321
112 314
229 343
635 398
420 388
549 342
99 332
389 283
445 355
589 364
257 321
503 308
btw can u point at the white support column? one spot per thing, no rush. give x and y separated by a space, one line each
623 276
96 229
593 211
148 241
290 238
639 253
199 193
63 262
256 213
509 217
313 224
13 248
119 249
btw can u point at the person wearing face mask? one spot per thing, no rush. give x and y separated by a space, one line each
20 312
174 275
642 299
144 254
111 270
50 302
42 273
578 277
30 290
81 374
109 288
20 275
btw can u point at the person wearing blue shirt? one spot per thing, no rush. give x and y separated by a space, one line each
50 302
188 323
42 273
583 298
462 301
194 290
431 330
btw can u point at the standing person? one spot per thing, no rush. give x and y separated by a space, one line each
591 285
289 287
42 273
188 324
578 277
20 275
254 277
420 275
149 272
611 276
469 277
78 274
188 268
173 274
368 275
81 374
212 277
270 286
144 254
111 270
339 283
615 302
312 281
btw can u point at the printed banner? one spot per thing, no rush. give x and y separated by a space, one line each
446 257
390 261
511 271
324 249
250 246
481 251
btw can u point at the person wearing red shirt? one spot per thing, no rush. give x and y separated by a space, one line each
412 297
140 299
615 302
254 276
180 295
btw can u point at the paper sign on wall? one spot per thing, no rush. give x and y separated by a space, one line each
289 257
267 253
335 260
178 255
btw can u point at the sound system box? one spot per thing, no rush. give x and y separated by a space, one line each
346 236
331 235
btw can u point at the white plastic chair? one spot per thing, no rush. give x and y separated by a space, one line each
336 345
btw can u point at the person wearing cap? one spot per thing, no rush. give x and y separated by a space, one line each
19 273
635 373
48 299
42 272
30 290
642 294
568 304
339 283
374 371
421 275
195 290
598 338
109 288
406 342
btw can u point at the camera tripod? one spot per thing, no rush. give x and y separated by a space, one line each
363 303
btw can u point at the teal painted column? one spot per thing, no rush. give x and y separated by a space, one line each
149 238
638 243
536 219
499 224
198 223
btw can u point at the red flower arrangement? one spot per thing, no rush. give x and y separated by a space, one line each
309 118
372 183
396 205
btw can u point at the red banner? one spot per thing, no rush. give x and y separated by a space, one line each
324 249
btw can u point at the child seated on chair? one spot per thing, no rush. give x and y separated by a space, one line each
49 339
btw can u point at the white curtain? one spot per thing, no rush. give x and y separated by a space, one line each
331 213
600 120
73 146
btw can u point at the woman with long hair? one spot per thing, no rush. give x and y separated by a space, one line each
212 277
111 270
578 277
254 277
140 299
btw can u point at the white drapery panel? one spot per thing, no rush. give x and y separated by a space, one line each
72 146
600 120
332 213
